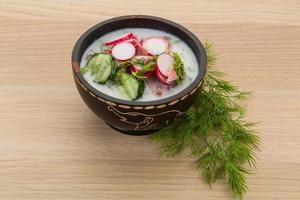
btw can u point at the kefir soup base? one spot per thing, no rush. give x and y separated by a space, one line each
177 45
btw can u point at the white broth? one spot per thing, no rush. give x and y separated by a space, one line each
150 92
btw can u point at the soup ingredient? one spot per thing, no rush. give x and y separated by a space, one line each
142 58
172 78
160 77
132 41
165 64
215 132
139 69
156 45
178 67
143 66
170 69
140 50
100 65
120 39
123 51
165 72
129 85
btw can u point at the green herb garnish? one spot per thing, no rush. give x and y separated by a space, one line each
214 132
179 68
146 66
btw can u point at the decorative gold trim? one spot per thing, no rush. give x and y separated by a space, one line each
173 102
101 99
80 83
149 107
124 106
199 84
184 97
92 94
138 107
110 103
161 106
145 119
193 91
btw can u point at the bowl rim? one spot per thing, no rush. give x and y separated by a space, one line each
190 89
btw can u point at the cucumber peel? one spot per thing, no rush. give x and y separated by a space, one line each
100 65
129 85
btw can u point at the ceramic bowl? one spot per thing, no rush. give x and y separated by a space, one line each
133 117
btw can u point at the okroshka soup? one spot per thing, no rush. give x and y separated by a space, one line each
137 72
139 64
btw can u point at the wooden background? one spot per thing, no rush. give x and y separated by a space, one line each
53 147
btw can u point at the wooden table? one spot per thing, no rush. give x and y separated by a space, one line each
53 147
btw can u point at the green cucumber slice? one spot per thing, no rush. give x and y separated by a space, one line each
101 67
129 85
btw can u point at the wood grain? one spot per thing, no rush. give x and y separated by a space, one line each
53 147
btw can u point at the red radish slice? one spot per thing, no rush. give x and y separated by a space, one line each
172 77
162 78
122 38
132 41
141 50
149 73
156 45
107 51
165 64
123 51
136 68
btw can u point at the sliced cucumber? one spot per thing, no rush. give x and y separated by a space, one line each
129 85
100 65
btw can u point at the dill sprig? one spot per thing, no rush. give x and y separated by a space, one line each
179 68
214 132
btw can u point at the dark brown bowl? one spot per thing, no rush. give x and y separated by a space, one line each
133 117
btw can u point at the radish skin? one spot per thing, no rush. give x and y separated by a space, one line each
132 41
120 39
123 51
141 50
135 68
162 78
165 64
156 45
172 77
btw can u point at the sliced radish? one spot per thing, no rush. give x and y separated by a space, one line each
165 64
123 51
161 77
107 51
172 77
136 68
133 41
120 39
141 50
156 45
